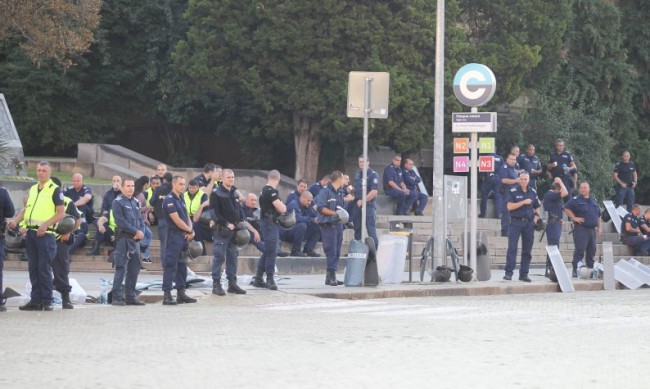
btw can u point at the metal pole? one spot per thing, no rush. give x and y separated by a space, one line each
364 183
473 199
439 243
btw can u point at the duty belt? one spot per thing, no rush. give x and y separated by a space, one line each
520 219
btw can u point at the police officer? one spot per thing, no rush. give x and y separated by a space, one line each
179 232
561 165
107 202
6 210
553 206
412 182
507 178
207 180
196 201
632 235
43 210
394 187
82 196
326 203
625 175
61 262
271 207
523 206
129 230
491 184
316 187
530 163
584 212
156 202
224 201
372 187
305 230
301 187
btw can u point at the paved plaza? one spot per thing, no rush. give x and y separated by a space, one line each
596 339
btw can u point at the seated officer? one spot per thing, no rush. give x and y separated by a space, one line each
196 201
394 187
301 188
412 182
305 230
632 235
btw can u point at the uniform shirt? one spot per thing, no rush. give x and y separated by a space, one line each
506 172
107 201
6 210
634 223
303 215
156 200
328 198
585 208
315 188
516 194
392 173
411 179
75 195
226 206
529 164
563 159
292 196
372 183
553 205
126 215
202 180
625 171
249 214
267 197
175 204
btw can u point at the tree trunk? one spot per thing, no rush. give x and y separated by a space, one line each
307 141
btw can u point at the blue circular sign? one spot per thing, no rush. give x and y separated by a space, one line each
474 85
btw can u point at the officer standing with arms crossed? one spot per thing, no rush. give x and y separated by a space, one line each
228 217
372 186
625 175
553 206
584 212
6 210
43 210
326 203
271 207
179 231
523 206
129 231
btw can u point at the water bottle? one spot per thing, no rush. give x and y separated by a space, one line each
594 272
28 289
103 291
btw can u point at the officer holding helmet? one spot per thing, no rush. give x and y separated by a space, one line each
327 202
553 206
522 205
179 232
6 210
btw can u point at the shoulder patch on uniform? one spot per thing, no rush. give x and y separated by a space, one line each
170 205
513 189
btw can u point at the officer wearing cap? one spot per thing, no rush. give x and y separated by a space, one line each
394 187
6 210
561 165
530 163
129 231
61 262
523 206
584 212
179 232
625 175
553 206
372 187
326 204
43 210
491 183
412 182
507 178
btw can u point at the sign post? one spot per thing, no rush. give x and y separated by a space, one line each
474 85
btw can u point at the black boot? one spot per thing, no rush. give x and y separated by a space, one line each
333 281
258 281
168 299
218 289
328 277
182 298
270 282
30 306
65 300
234 288
94 250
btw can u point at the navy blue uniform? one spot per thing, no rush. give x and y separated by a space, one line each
412 181
252 217
372 183
503 189
174 268
553 206
329 229
521 224
6 210
639 242
61 261
202 180
107 204
404 201
625 173
530 163
305 230
564 159
584 235
491 184
315 188
156 202
126 257
87 209
270 230
227 209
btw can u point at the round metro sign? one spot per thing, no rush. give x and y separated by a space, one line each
474 85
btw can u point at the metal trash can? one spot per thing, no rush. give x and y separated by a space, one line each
483 260
404 228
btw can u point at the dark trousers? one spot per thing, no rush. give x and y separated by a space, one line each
80 239
525 230
162 235
2 261
126 258
505 214
40 254
625 196
202 232
331 234
404 201
371 221
584 240
271 233
420 202
553 234
224 250
61 267
487 186
309 233
174 270
639 243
